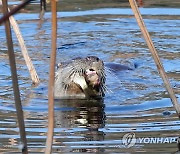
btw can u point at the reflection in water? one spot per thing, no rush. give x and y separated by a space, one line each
87 114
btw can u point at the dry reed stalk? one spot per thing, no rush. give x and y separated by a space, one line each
30 66
32 71
49 140
155 55
17 98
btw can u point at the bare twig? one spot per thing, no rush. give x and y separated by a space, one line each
49 140
17 98
155 55
13 11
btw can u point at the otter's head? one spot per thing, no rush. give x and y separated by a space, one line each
94 72
89 75
81 77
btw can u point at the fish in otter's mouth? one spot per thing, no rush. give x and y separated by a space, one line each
80 78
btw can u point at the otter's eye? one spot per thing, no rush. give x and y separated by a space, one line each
92 58
97 58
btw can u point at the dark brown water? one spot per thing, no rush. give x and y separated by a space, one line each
137 101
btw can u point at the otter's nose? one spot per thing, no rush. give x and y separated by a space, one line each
90 72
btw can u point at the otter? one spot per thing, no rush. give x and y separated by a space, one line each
80 78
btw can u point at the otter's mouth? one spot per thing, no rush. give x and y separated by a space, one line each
92 77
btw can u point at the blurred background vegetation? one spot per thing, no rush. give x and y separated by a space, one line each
75 5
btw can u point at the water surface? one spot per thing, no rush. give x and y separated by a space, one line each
136 102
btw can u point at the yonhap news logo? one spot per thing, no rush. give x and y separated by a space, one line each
130 139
